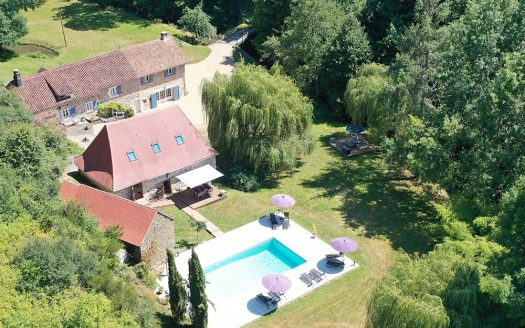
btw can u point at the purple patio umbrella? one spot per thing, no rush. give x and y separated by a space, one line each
344 245
276 283
282 200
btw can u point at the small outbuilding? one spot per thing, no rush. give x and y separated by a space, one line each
146 232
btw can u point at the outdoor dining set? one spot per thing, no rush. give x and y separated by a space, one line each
204 190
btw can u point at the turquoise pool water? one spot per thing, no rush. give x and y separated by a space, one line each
245 270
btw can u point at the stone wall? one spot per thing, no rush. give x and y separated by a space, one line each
149 187
160 236
134 95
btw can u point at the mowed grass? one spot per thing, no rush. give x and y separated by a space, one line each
185 234
359 197
89 31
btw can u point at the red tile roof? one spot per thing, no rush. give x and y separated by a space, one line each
111 210
106 160
90 77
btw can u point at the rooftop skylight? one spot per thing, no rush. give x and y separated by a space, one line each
156 147
131 156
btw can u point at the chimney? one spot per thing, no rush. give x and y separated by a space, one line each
164 36
17 80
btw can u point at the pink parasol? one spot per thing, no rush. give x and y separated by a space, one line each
282 200
276 283
344 245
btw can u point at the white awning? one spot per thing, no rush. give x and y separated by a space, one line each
199 176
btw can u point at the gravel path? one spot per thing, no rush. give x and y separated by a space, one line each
220 60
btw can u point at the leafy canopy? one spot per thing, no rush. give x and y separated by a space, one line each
257 118
198 22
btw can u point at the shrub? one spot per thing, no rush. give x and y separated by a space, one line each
142 272
106 110
242 179
52 267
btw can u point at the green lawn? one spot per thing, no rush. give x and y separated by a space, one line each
360 197
185 234
89 31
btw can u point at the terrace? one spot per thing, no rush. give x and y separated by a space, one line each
237 306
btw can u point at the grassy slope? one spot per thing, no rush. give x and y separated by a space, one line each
89 30
360 197
185 234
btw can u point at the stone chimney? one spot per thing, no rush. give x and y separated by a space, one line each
164 36
17 80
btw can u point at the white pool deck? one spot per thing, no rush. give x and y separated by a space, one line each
244 308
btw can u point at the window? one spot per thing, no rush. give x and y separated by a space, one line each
168 72
180 139
91 106
69 112
164 94
146 79
156 147
131 156
115 91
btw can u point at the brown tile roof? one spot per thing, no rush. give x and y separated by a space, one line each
111 210
90 77
106 160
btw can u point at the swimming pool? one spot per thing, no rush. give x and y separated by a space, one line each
245 270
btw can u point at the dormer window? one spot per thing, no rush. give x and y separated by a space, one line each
146 79
170 71
179 139
131 156
115 91
156 147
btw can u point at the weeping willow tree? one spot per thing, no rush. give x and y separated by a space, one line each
370 98
258 118
446 288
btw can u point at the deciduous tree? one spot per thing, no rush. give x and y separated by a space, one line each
257 118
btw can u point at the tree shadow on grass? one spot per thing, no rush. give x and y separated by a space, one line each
381 202
7 54
85 16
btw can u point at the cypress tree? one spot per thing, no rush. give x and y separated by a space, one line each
178 297
198 299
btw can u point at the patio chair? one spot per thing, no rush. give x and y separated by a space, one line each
266 300
335 263
333 256
286 223
276 297
318 273
306 279
273 220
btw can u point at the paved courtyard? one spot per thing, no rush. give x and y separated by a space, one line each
240 307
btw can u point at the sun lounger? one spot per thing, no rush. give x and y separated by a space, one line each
286 223
274 221
314 277
266 300
318 273
335 263
306 279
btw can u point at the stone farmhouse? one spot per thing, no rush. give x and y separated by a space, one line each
140 76
146 233
148 156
